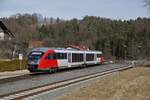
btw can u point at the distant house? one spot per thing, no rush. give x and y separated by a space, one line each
5 33
2 35
35 44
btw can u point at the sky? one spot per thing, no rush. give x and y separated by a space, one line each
68 9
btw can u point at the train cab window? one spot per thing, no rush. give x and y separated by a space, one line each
49 56
35 55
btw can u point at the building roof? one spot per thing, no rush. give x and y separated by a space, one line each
6 30
35 43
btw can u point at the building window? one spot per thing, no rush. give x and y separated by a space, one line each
1 36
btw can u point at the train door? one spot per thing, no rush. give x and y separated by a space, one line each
69 59
84 57
62 60
95 58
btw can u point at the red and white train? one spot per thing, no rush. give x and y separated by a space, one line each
51 59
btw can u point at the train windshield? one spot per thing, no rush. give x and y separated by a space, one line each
35 55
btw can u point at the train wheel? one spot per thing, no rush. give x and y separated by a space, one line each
55 70
84 65
50 70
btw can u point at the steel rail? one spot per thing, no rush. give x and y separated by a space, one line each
30 75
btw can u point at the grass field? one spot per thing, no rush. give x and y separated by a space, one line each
132 84
11 65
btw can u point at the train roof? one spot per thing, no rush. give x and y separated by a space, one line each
44 49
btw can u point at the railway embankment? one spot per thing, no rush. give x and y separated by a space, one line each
132 84
11 68
12 65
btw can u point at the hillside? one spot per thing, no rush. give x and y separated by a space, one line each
121 39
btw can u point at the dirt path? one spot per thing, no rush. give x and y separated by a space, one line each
132 84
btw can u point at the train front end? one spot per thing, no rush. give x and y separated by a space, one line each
34 58
42 60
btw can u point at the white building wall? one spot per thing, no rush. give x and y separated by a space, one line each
2 35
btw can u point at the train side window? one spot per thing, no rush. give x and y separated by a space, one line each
77 57
65 55
49 56
98 55
89 57
60 56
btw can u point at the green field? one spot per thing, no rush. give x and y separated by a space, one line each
12 65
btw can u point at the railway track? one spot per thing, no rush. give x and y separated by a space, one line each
57 85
